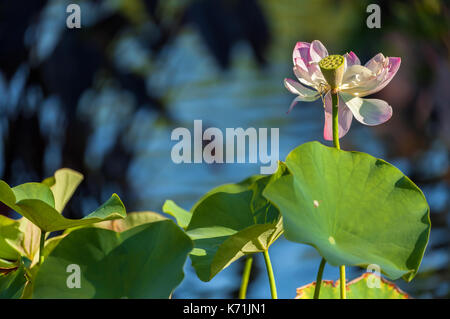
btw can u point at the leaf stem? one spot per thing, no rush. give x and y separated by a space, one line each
41 247
273 287
245 277
342 282
319 278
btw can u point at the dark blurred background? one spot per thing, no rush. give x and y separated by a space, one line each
104 99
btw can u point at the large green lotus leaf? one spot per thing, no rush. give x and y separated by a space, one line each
216 251
12 283
143 262
63 184
183 217
353 208
36 202
18 238
133 219
358 288
10 234
231 221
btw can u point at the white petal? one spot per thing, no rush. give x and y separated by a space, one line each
371 78
377 63
357 74
317 51
368 111
300 90
304 94
358 79
384 77
316 75
298 99
303 76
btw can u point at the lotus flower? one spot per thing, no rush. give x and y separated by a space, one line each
357 82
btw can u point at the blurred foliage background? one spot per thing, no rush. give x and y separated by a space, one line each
104 99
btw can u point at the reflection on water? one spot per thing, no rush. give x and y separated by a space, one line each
244 97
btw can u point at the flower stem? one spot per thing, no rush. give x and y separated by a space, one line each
273 287
335 103
41 247
342 282
319 278
245 277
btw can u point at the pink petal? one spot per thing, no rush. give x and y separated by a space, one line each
310 74
302 64
294 102
303 75
317 51
393 66
352 59
376 63
316 74
306 57
368 111
297 88
391 69
298 99
301 50
358 79
344 117
304 94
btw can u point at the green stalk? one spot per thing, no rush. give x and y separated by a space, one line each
342 281
245 277
41 247
335 102
273 287
319 278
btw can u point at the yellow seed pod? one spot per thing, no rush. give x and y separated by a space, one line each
332 68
